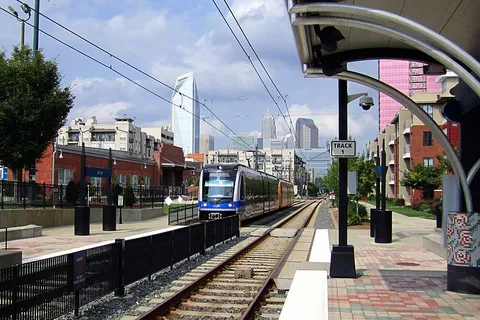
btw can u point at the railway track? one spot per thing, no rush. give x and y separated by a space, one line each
235 285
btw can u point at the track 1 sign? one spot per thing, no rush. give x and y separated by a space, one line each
343 149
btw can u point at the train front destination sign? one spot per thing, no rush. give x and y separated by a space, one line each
343 149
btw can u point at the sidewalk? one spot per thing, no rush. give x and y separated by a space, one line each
401 280
62 238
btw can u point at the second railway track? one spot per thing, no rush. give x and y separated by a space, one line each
234 286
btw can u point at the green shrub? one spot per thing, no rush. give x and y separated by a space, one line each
400 202
424 207
436 208
353 217
129 198
362 212
72 192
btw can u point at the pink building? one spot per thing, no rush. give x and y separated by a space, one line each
405 76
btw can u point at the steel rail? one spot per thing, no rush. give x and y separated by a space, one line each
171 302
257 300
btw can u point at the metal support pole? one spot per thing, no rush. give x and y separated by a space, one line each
342 163
417 111
22 34
82 177
110 169
384 177
377 180
36 25
343 256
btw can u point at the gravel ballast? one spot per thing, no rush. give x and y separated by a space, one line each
324 218
143 291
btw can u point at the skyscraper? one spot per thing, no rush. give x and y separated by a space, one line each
405 76
269 130
307 133
207 143
186 114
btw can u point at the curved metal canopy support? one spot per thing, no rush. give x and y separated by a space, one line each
448 62
384 17
417 111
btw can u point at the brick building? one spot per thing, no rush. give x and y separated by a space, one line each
409 142
167 167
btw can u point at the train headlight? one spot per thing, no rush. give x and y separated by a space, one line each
230 205
204 204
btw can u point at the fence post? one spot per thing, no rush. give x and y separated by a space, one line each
120 291
44 195
141 196
23 186
60 195
1 195
189 242
202 252
15 291
185 212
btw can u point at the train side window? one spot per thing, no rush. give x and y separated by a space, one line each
242 189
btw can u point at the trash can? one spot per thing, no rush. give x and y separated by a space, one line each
109 218
82 221
383 226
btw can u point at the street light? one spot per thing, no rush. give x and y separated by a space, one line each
26 10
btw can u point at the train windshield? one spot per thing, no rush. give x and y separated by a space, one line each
218 186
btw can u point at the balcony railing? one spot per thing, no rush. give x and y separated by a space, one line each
406 126
406 151
391 139
391 160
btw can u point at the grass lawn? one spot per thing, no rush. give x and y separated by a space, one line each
406 211
173 206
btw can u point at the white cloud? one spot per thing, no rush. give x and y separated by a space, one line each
102 111
359 125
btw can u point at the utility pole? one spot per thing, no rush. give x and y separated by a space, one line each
36 22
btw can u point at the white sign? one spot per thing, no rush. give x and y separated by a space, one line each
343 149
180 199
352 180
168 201
120 201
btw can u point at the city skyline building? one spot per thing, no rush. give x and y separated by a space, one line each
186 118
407 77
307 133
242 143
207 143
269 129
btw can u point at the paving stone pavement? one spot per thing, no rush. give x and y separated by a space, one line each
397 281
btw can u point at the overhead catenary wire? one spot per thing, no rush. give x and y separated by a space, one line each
120 74
111 55
289 126
260 61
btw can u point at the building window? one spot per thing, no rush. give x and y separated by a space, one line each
73 137
96 181
122 179
428 162
64 176
147 181
103 136
134 180
427 138
429 110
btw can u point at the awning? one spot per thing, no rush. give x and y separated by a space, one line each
166 163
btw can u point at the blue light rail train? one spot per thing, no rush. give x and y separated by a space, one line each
228 189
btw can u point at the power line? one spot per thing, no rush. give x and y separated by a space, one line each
256 55
121 74
133 67
258 74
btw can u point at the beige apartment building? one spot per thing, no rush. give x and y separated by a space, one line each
409 142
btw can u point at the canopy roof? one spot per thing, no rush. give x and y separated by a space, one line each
457 20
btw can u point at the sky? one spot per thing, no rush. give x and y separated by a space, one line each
168 38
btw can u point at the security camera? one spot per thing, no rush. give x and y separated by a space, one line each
366 103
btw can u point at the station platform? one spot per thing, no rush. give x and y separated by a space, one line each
60 239
401 280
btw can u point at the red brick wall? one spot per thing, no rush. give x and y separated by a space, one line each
418 151
453 133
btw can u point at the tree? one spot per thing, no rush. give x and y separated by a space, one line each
129 198
365 175
330 180
312 189
33 107
425 178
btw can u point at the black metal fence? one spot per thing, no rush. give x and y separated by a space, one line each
44 289
182 212
16 195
